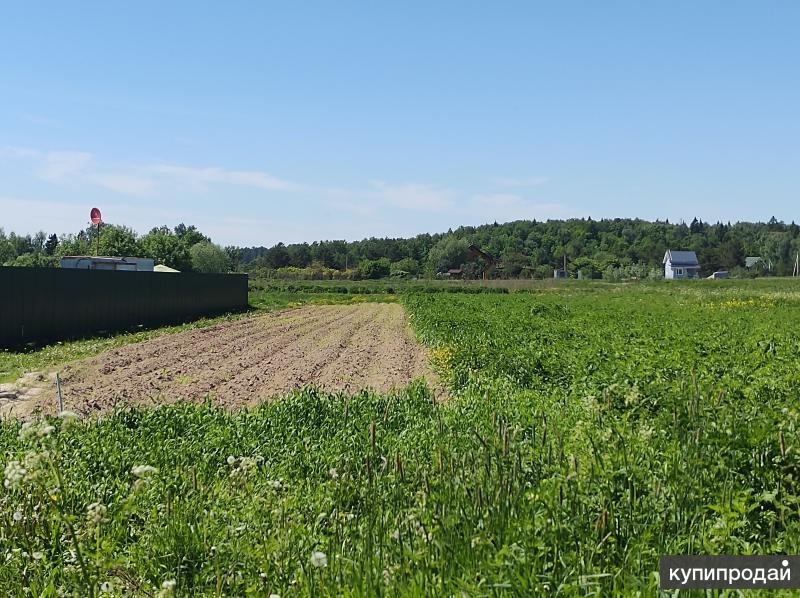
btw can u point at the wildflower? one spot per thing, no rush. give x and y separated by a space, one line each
274 484
96 514
143 471
27 430
396 534
231 460
17 516
333 473
167 588
33 464
37 555
68 418
106 587
14 474
319 560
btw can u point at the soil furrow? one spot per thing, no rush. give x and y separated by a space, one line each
335 347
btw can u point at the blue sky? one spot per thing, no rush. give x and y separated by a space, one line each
262 122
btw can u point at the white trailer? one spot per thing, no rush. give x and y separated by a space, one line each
123 264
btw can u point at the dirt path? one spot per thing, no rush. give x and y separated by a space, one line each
336 347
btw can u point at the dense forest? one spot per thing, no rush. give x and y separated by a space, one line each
612 249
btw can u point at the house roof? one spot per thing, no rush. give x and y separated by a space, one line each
751 261
686 259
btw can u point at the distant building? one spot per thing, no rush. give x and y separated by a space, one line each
455 273
123 264
163 268
751 261
680 264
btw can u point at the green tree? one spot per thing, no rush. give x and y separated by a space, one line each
118 241
166 248
209 258
374 268
407 264
449 252
51 244
190 235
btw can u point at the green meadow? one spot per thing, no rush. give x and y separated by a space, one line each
589 429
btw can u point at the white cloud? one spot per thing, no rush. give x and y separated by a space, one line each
10 151
27 215
59 166
412 196
505 207
200 177
513 183
124 183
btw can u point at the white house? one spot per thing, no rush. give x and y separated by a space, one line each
681 264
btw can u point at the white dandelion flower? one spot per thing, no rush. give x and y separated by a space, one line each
144 471
68 418
96 514
27 430
167 588
14 474
319 559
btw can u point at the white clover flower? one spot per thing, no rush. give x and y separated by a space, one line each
68 418
231 460
17 516
106 587
319 560
14 474
167 588
37 555
27 430
96 514
33 464
144 471
333 473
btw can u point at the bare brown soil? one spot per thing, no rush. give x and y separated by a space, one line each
335 347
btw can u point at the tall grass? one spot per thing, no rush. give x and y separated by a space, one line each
588 433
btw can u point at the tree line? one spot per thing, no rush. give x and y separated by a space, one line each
611 248
182 247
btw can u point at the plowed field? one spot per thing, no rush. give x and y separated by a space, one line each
336 347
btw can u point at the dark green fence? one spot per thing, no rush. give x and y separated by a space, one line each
47 304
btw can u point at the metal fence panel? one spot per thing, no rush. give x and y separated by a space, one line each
48 304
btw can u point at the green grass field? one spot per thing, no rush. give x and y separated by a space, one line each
590 429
